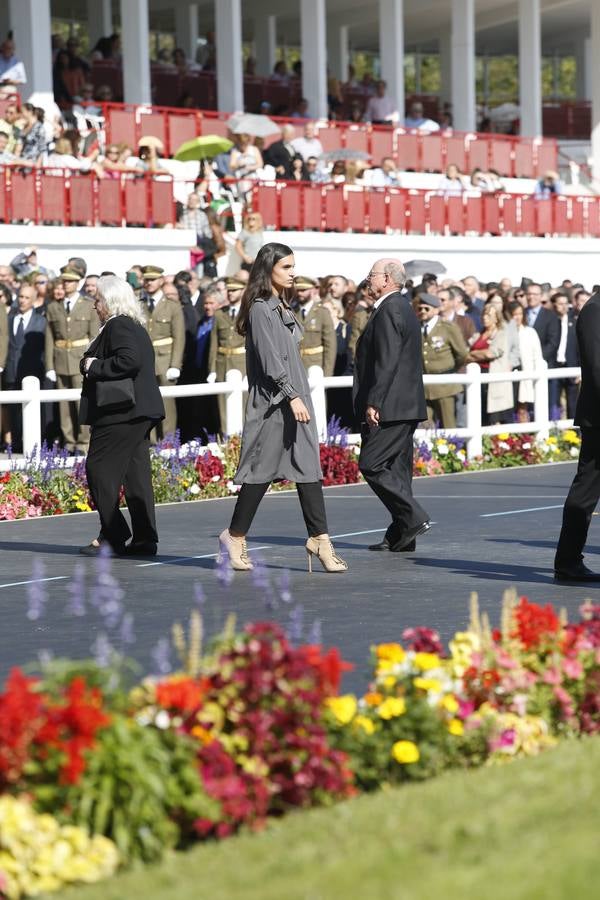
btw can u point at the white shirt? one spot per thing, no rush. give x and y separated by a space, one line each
561 353
194 298
381 109
12 70
429 325
378 303
305 309
72 300
307 148
26 316
427 125
532 314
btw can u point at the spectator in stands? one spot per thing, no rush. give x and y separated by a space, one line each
299 170
12 70
490 351
485 182
352 83
26 263
530 354
418 121
309 144
5 156
381 110
245 161
90 287
56 290
473 290
548 186
313 171
356 111
300 110
149 159
386 175
206 54
368 84
282 153
62 94
505 285
567 354
280 72
6 295
250 239
107 48
451 184
62 157
580 298
112 164
104 94
40 281
9 126
32 139
77 61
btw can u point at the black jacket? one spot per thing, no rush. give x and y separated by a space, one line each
547 326
388 367
29 358
587 413
123 349
277 155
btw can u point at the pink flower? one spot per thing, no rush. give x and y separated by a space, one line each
552 676
505 741
505 660
572 668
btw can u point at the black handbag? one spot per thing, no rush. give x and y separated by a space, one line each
115 396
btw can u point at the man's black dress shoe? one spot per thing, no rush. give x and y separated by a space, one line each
577 572
409 536
385 545
98 549
141 548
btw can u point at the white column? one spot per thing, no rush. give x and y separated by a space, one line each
595 98
99 18
582 54
30 22
530 67
265 44
391 51
230 76
338 52
186 28
136 51
313 38
463 65
445 53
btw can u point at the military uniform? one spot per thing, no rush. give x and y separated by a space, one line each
3 334
444 351
67 336
227 350
358 323
319 343
166 327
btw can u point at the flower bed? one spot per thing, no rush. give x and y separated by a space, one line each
193 472
93 773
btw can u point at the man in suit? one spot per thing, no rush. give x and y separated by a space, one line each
71 324
389 401
3 335
547 326
281 154
444 351
318 346
585 491
566 355
166 327
26 329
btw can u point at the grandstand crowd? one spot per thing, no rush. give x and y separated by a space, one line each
47 319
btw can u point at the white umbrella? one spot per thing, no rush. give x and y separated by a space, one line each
506 112
249 123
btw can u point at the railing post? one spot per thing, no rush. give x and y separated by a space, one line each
234 403
473 399
317 394
32 428
541 411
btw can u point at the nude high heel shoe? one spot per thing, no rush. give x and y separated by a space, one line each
321 547
237 551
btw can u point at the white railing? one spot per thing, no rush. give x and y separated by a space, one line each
31 397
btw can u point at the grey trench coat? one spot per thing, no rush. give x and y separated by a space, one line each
274 446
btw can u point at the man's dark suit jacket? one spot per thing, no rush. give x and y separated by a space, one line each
587 413
388 368
28 359
547 326
123 349
571 352
277 155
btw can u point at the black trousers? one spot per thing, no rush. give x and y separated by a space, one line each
581 501
386 461
119 455
311 499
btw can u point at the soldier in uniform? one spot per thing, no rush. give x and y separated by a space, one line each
319 344
3 335
70 326
227 348
359 319
166 326
444 351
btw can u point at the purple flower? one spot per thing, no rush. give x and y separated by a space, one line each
262 582
199 595
224 570
161 656
337 434
37 596
285 593
126 633
102 650
315 635
76 589
295 627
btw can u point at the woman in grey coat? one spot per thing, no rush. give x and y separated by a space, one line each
280 440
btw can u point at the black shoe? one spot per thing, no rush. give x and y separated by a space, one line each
97 548
141 548
576 572
385 545
409 536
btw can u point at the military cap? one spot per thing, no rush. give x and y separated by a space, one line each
78 264
429 300
234 284
151 272
69 274
304 283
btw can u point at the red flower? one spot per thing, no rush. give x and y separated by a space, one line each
181 694
208 468
21 714
534 624
339 465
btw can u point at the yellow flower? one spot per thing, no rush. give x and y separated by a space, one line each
449 703
389 681
425 661
463 646
343 708
504 436
456 727
365 723
392 707
373 698
551 440
571 437
202 734
428 684
391 653
441 442
405 752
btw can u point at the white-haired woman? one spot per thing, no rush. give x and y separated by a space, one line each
121 402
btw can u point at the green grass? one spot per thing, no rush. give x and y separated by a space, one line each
528 829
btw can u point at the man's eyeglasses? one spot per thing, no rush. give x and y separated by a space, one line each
372 275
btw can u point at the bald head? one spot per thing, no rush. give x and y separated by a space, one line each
288 133
386 275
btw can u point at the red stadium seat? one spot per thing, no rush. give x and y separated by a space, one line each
478 154
510 215
356 209
154 124
416 213
182 128
524 161
81 200
397 212
290 206
136 201
544 216
473 215
330 137
166 87
593 216
110 211
408 152
4 216
121 126
162 211
528 218
382 143
431 155
377 210
501 156
52 198
215 124
312 199
456 152
577 223
264 200
334 208
562 219
357 138
491 206
23 196
437 214
546 157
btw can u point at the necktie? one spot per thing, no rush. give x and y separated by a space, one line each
21 330
303 314
68 307
424 329
151 304
232 312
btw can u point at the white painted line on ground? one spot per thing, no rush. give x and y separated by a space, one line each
168 562
514 512
34 581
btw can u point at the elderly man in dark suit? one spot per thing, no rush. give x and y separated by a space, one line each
26 335
281 154
389 401
585 490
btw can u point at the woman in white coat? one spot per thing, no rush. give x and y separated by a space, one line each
530 351
489 349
